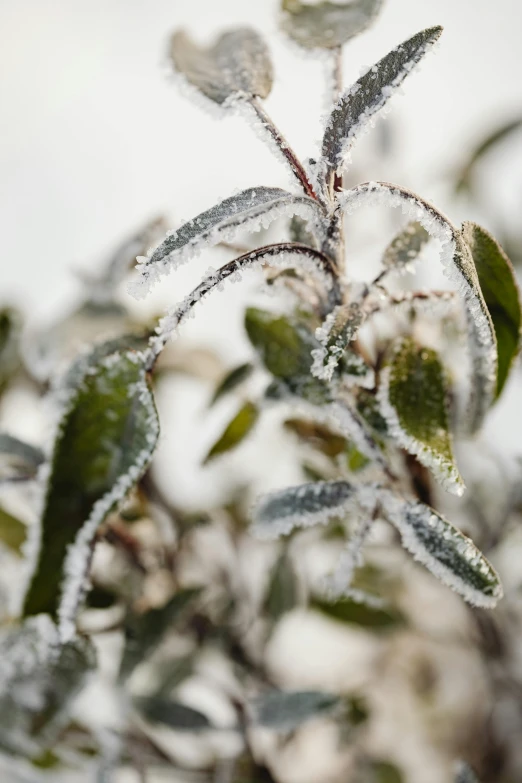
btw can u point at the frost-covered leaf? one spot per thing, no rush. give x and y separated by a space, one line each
250 209
352 115
497 136
286 710
405 247
500 290
232 380
464 774
283 594
327 25
299 232
450 555
39 677
173 714
18 460
13 533
280 512
236 66
317 436
459 267
144 632
236 430
414 401
334 335
10 329
359 612
105 438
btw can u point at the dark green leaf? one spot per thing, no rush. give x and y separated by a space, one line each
172 714
236 431
286 710
327 25
347 610
500 290
232 380
414 402
283 593
104 442
444 550
497 136
368 96
10 328
12 532
237 65
406 246
18 460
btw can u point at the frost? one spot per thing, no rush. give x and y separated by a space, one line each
458 266
339 583
444 550
19 461
353 115
253 208
406 247
327 25
339 328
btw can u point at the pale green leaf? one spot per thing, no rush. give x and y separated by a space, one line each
283 594
232 380
406 246
327 25
361 613
12 532
172 714
236 431
286 710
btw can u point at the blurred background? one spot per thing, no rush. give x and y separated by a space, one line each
97 140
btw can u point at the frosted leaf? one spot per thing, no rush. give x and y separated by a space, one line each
304 260
250 209
283 589
406 246
340 581
327 25
18 460
355 371
357 607
464 773
338 330
299 232
236 431
174 714
450 555
39 677
413 396
105 438
232 380
458 266
236 66
353 114
499 287
307 505
286 710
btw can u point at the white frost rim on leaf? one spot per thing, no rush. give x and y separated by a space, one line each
327 357
395 510
458 267
444 470
155 265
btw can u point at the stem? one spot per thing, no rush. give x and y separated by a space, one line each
337 67
292 159
333 245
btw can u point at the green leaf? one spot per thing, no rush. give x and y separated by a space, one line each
144 632
232 380
12 532
236 66
286 710
500 290
299 232
40 677
285 348
414 402
10 328
464 774
450 555
172 714
18 460
283 593
104 443
384 772
236 431
327 25
336 333
317 436
370 93
348 610
497 136
406 246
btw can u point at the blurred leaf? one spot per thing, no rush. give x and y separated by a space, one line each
327 25
368 407
237 65
335 335
10 328
18 460
101 598
285 349
174 672
12 532
39 678
103 444
405 247
501 293
317 436
144 632
298 231
498 135
465 774
286 710
355 461
384 772
368 95
283 593
347 610
172 714
450 555
236 431
232 380
414 401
